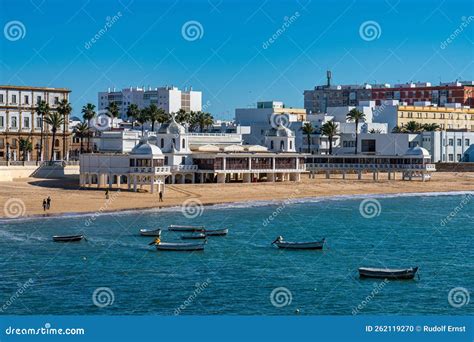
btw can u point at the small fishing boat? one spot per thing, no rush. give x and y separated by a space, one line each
280 243
216 232
195 236
179 246
388 273
150 232
68 238
177 228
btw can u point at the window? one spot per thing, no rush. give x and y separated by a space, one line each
459 142
56 100
368 145
2 142
27 100
38 99
1 121
14 122
184 143
450 157
38 122
56 143
451 142
183 160
291 144
282 145
1 98
458 157
271 145
13 98
26 122
162 143
467 142
13 143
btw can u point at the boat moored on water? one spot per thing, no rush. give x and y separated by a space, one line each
179 246
194 236
216 232
280 243
68 238
150 232
388 273
178 228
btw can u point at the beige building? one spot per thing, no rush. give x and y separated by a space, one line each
448 118
18 119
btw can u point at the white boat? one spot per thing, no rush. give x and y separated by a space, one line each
280 243
216 232
178 228
193 236
179 246
150 232
388 273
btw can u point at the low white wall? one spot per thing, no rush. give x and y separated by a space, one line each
8 173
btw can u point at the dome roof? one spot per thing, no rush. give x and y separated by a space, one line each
172 127
145 148
280 131
417 151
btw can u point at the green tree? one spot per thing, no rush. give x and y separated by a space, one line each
64 109
133 112
204 120
114 111
431 127
155 114
42 110
308 129
88 113
413 127
356 116
26 146
182 117
330 130
143 118
82 130
397 129
54 120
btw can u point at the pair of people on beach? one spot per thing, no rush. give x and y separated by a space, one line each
46 203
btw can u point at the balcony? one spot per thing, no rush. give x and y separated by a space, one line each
177 168
146 169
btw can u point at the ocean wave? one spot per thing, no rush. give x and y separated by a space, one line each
241 205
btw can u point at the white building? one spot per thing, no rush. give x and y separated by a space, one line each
169 98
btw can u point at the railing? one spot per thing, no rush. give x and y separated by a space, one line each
335 166
149 169
184 168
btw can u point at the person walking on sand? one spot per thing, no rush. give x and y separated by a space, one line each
48 203
44 205
107 194
161 196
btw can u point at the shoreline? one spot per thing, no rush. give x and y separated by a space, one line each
237 204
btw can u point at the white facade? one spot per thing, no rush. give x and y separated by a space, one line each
170 99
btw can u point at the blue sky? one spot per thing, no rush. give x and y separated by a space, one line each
232 61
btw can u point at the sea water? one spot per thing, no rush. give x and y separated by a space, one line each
116 272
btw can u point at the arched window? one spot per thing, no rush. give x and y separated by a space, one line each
291 144
174 142
184 143
271 145
162 143
56 143
282 145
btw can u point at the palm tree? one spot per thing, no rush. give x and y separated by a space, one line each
329 129
114 111
42 110
88 113
82 130
55 120
155 114
142 118
398 129
204 120
431 127
308 129
64 108
132 112
356 116
182 117
26 146
413 127
375 131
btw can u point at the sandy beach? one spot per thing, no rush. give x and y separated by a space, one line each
24 197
